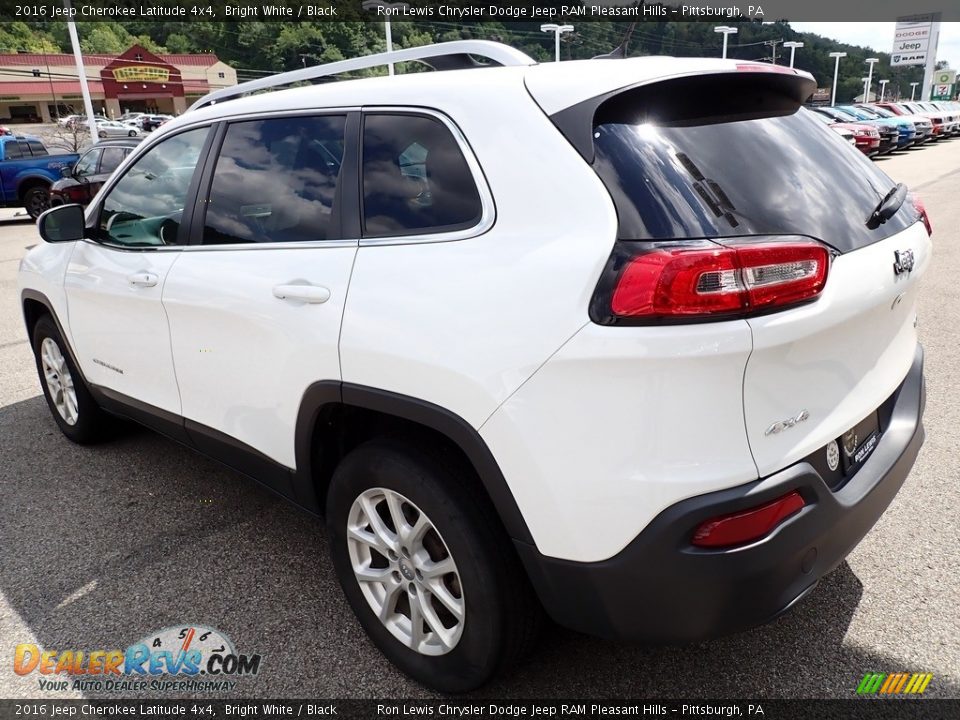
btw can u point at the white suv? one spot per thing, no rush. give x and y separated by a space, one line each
629 341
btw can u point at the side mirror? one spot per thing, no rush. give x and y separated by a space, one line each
65 223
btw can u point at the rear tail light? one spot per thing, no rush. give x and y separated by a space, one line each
747 525
921 208
703 280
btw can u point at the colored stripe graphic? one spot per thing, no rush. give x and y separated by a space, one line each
894 683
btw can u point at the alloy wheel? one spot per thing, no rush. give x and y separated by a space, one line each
405 571
59 381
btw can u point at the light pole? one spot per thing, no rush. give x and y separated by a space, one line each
913 90
793 45
836 74
871 62
727 31
866 84
557 31
387 6
883 89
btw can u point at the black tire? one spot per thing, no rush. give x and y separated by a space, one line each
502 616
92 424
132 133
36 200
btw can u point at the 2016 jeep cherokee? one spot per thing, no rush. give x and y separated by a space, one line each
631 341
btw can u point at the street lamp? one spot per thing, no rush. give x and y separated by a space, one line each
793 45
388 6
870 62
557 31
836 74
913 90
727 31
883 89
866 84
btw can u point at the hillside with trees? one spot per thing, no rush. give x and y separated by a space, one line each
259 48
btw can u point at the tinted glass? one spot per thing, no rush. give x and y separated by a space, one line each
415 179
37 148
771 176
112 157
87 164
145 207
25 149
275 181
11 151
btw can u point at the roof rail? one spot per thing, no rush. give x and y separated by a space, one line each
445 56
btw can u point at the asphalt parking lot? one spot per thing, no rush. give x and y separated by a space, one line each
101 545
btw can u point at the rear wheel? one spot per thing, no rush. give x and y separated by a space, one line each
73 408
429 573
36 200
132 133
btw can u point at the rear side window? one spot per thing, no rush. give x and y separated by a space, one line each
276 181
775 175
415 178
111 158
37 148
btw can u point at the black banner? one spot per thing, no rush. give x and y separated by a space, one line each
199 709
463 10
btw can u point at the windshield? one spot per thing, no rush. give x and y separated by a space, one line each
883 112
785 175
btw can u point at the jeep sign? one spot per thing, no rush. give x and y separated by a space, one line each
911 40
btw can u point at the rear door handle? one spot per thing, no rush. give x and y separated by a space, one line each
302 293
143 279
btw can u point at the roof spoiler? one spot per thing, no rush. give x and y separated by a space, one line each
752 90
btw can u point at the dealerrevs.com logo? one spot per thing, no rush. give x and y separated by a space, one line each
185 658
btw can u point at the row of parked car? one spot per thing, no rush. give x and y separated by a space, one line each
880 128
132 124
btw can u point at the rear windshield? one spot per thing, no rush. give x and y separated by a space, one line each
783 175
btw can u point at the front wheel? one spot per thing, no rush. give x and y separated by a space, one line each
36 200
427 569
73 408
132 133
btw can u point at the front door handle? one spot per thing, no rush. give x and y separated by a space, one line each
302 293
143 279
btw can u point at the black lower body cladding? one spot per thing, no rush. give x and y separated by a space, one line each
662 589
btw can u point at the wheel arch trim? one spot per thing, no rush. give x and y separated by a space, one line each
322 395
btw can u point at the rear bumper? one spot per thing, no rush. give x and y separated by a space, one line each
662 589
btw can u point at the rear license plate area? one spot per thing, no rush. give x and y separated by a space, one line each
840 459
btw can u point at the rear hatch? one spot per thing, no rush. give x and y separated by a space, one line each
731 159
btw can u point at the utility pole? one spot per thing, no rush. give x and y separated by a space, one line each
773 44
913 90
557 31
883 89
387 6
81 72
871 62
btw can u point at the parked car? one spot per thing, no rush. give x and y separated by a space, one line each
648 362
887 131
902 108
906 131
27 170
152 122
951 125
923 126
82 181
110 128
67 120
863 137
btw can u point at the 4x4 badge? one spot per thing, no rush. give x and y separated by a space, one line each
902 261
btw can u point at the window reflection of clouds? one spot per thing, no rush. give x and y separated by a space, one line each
782 175
275 181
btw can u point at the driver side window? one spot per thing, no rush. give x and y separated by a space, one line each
144 208
87 165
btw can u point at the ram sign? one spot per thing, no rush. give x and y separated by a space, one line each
912 38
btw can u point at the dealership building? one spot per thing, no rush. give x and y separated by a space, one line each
37 87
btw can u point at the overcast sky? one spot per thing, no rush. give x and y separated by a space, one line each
879 36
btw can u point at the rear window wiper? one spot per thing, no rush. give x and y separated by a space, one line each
887 207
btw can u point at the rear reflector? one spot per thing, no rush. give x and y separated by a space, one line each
748 525
707 279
